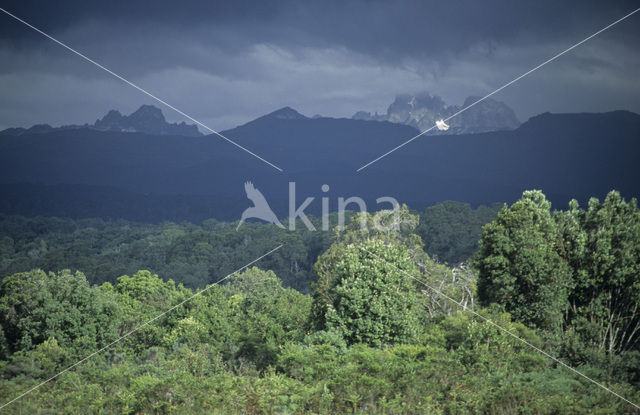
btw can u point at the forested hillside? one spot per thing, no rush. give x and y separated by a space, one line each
84 173
196 255
386 328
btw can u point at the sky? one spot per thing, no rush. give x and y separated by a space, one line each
228 62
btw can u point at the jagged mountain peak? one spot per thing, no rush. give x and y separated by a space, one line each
146 119
148 111
423 109
113 114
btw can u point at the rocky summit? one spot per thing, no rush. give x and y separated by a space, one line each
423 110
146 119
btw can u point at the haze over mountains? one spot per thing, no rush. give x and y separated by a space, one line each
146 119
85 172
422 110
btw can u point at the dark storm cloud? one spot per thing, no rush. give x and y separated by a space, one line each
374 27
229 61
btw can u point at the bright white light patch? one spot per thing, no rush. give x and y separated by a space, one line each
442 126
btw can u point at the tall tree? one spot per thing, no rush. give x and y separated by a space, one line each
400 227
519 266
366 294
602 245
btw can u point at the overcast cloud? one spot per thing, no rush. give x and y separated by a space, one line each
226 63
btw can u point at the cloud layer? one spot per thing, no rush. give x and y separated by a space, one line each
225 64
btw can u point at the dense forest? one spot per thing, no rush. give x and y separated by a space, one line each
196 255
443 315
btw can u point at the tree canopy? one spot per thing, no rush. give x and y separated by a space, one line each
369 339
519 265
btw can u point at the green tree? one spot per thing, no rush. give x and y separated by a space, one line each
265 315
142 297
36 306
366 295
399 227
602 246
519 266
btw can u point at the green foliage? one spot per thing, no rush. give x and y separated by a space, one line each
190 254
267 315
367 294
36 306
451 230
526 255
242 348
141 298
370 340
147 291
400 227
519 266
487 349
602 246
197 255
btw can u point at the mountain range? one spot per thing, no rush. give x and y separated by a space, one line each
86 172
421 111
146 119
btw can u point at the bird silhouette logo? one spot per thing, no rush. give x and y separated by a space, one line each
260 208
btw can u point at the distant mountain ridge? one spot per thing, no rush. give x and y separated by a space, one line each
286 113
167 177
147 119
422 110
